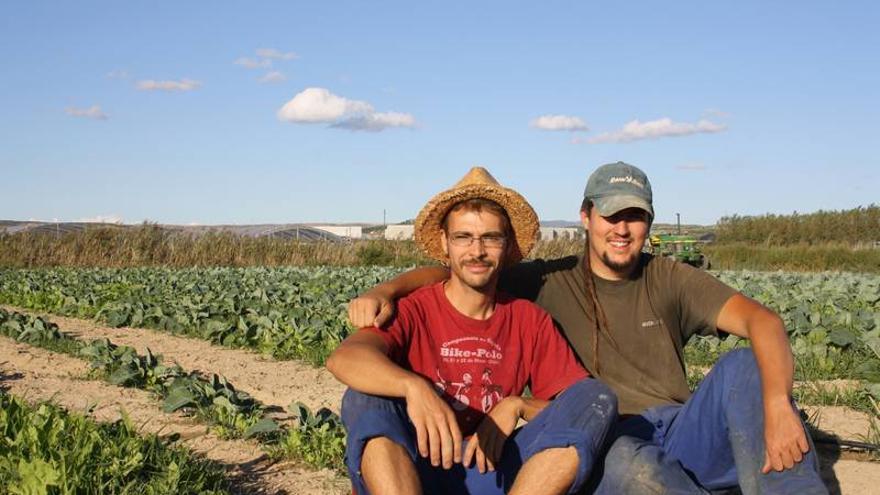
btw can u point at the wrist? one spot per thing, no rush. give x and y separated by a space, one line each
516 404
413 384
774 402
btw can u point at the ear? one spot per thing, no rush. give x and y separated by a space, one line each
585 220
444 242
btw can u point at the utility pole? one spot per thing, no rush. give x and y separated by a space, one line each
678 223
383 217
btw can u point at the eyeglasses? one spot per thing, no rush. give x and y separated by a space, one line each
491 241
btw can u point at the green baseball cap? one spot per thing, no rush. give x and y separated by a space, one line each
617 186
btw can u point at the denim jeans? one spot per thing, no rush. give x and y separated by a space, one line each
581 417
714 442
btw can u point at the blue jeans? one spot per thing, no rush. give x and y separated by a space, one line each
581 417
715 441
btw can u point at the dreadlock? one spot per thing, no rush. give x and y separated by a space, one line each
600 320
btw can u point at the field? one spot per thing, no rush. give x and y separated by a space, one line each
224 362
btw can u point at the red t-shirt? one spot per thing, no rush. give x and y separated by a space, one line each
475 363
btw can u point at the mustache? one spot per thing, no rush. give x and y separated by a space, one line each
474 262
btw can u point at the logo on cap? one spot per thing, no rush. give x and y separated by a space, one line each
629 179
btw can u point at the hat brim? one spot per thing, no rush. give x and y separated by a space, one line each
612 204
523 219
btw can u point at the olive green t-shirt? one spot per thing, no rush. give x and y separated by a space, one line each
650 316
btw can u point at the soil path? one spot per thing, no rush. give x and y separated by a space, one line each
278 383
274 383
39 375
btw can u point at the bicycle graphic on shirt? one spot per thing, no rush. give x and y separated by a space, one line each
490 393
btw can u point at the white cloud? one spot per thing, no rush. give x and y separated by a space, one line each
320 106
691 167
101 219
182 85
273 77
559 123
376 122
93 112
271 53
251 63
653 129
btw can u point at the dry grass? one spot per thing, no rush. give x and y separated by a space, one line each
151 245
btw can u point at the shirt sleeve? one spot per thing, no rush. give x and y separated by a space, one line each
554 367
396 334
701 297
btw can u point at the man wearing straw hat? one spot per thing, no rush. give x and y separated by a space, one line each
636 312
414 388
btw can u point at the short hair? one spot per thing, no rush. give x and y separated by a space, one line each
478 205
586 205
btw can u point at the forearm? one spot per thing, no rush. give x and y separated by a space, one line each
773 354
409 281
367 369
749 319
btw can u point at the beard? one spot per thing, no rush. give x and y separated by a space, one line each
619 266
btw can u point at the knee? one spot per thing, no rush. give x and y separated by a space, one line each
353 403
382 448
627 462
598 396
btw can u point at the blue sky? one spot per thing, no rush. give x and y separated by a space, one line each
234 112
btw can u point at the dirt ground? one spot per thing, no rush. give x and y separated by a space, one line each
278 383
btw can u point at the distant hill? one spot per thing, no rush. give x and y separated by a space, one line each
281 231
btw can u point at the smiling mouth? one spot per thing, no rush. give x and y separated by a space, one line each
619 243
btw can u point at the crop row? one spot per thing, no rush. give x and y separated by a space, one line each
316 437
833 318
284 312
45 449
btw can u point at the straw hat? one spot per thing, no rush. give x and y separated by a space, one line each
477 183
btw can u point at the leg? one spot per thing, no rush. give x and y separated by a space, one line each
549 471
380 450
387 468
566 438
636 466
718 436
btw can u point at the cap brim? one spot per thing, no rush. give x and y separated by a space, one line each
613 204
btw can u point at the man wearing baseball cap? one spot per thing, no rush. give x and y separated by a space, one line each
628 315
455 361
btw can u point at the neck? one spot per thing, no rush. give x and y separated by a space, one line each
478 304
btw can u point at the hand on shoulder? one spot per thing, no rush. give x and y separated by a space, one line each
370 309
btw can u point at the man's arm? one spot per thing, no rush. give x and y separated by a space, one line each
361 362
487 443
375 307
784 435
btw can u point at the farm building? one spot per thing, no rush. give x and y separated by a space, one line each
346 231
399 232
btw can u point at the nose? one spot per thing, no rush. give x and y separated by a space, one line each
478 247
621 227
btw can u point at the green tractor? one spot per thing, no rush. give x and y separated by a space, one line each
684 248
